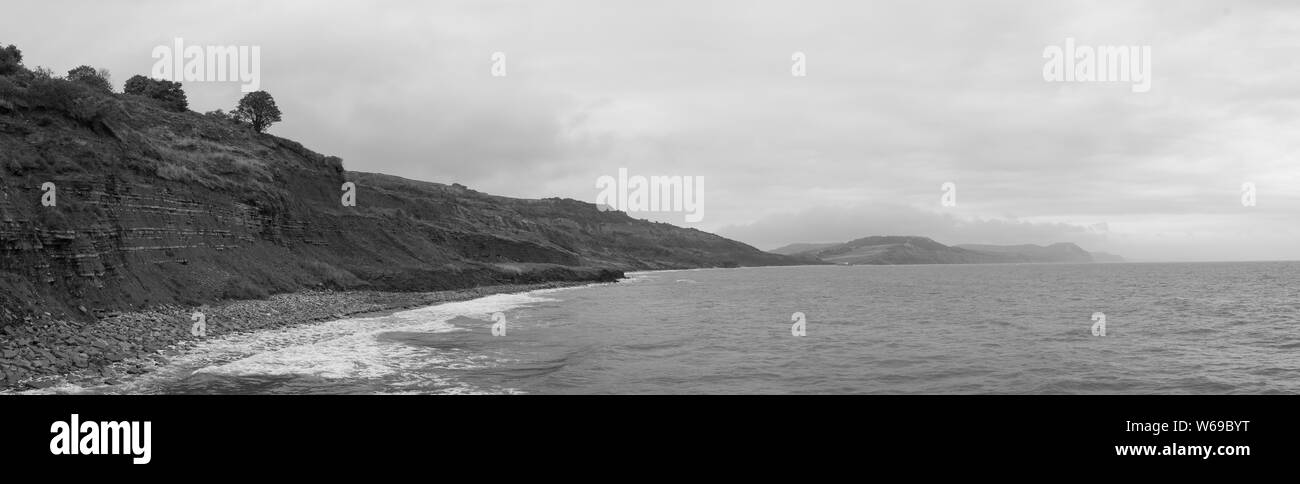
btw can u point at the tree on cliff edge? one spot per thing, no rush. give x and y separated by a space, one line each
168 92
11 60
99 80
257 108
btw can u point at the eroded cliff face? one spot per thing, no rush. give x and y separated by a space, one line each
157 207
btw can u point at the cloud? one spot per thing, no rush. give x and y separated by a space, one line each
840 224
900 97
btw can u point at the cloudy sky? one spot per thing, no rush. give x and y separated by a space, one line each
899 97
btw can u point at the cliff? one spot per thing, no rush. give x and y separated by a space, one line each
153 206
897 250
883 250
799 248
1059 252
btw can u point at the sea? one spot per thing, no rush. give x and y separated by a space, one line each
1170 328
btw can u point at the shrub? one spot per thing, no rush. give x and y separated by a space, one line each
259 109
11 60
99 80
169 93
9 89
57 94
220 116
90 109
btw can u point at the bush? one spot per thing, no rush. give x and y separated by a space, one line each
169 93
259 109
99 80
10 90
57 94
90 110
11 60
221 116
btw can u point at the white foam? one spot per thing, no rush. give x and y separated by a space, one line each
345 348
351 348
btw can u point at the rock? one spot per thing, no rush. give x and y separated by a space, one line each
45 383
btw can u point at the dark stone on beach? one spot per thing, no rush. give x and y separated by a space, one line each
87 349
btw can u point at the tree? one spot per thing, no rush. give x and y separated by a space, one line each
168 92
257 108
97 79
11 60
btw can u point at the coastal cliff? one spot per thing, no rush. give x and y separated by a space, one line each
111 202
886 250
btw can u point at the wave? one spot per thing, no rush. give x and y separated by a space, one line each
351 348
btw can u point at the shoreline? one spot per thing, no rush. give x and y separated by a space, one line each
101 352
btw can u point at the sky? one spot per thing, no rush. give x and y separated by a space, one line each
896 99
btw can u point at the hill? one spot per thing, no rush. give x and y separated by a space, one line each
157 206
801 248
1059 252
921 250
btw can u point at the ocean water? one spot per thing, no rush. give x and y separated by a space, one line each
1204 328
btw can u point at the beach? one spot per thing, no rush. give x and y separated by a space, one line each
48 351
